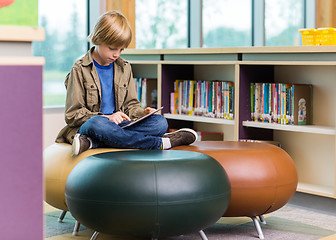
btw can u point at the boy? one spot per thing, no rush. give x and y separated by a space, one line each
101 98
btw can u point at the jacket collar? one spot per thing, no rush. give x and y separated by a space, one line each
87 60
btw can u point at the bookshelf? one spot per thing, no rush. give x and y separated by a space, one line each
312 147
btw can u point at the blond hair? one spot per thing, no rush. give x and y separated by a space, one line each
112 28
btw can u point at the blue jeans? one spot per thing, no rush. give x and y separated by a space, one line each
145 134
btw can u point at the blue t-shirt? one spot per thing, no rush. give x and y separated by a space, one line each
106 77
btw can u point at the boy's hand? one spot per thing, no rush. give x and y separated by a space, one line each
148 110
118 117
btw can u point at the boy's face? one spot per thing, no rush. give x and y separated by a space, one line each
107 54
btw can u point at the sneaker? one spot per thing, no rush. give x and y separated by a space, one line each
80 144
183 136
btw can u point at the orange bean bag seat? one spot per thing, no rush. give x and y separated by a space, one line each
263 176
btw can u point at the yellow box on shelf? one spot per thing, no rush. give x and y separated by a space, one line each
309 36
318 37
327 36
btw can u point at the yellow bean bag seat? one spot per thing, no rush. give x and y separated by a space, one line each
57 165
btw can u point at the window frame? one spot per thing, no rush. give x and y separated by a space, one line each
195 38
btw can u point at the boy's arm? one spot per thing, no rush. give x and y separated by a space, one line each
76 110
131 105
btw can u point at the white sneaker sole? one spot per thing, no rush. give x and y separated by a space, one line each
187 130
75 145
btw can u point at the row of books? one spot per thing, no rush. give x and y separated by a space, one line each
281 103
146 89
203 98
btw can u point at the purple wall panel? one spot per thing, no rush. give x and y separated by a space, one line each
21 201
249 74
170 73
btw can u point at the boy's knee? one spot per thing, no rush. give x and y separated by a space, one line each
161 123
93 124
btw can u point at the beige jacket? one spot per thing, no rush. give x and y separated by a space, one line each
83 98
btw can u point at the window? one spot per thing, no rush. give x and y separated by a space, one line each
227 23
283 18
161 23
65 23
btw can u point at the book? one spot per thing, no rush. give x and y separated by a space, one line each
143 98
252 100
302 104
142 118
173 108
151 94
231 100
257 104
191 97
146 90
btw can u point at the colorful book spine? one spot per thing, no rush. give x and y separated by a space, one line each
281 103
218 98
252 99
275 103
203 98
226 110
257 105
231 100
145 89
222 100
179 90
143 101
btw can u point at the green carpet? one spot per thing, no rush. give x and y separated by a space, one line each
288 223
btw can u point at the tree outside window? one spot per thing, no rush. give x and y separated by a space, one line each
227 23
283 19
161 23
65 24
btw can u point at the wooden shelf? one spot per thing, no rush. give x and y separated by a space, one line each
21 34
198 119
186 62
13 61
145 62
316 190
200 62
291 63
292 128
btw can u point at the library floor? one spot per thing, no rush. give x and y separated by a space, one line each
305 217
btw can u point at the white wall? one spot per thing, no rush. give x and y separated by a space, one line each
53 122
